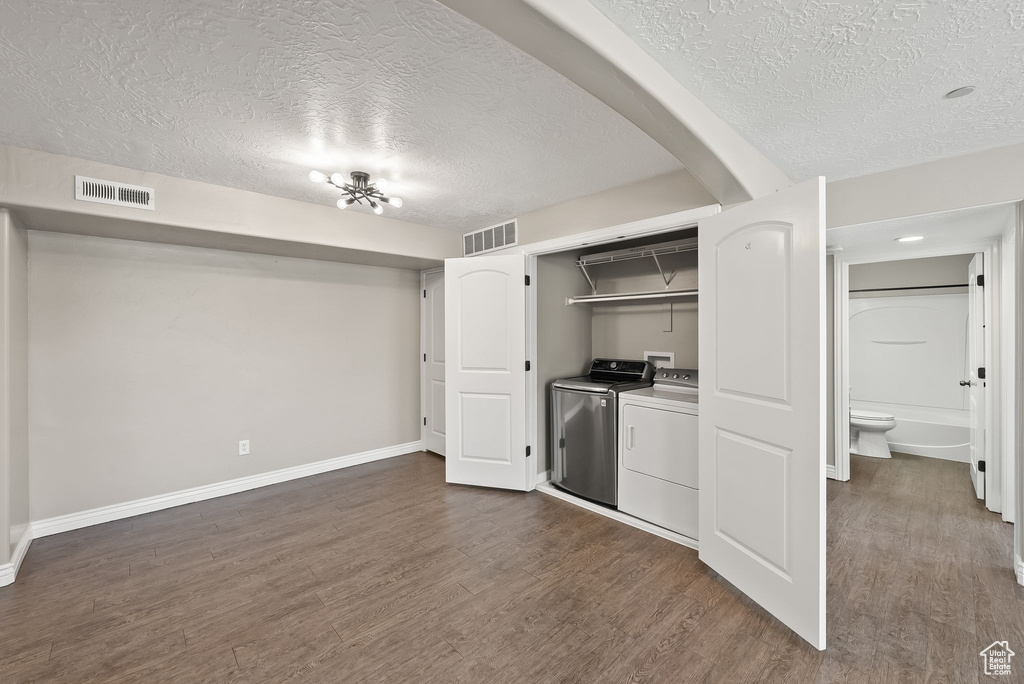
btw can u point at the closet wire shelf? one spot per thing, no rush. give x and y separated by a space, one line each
652 252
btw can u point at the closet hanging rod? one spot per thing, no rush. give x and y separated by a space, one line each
897 289
629 296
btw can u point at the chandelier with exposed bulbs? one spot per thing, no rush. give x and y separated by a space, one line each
359 190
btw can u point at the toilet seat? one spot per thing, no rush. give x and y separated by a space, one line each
857 414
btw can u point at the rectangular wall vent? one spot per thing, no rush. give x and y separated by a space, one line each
112 192
490 239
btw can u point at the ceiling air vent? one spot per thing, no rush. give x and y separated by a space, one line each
111 192
490 239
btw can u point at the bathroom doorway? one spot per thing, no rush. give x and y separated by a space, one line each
923 340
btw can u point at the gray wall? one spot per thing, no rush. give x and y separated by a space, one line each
628 330
909 273
14 466
149 362
563 335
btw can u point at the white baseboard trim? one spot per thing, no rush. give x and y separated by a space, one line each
541 478
9 571
551 490
96 516
1018 568
830 472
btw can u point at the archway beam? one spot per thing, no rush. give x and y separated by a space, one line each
574 38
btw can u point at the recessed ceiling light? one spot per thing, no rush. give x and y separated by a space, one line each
910 238
959 92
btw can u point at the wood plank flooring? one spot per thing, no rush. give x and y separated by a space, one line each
382 573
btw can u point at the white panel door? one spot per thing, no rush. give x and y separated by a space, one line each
975 361
485 342
762 402
433 399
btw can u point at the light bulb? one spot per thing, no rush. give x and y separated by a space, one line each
377 209
396 202
344 202
337 179
381 183
317 177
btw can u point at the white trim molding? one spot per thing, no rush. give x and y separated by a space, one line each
830 471
9 571
96 516
683 540
1018 568
542 478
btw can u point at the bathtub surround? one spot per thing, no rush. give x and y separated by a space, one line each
907 357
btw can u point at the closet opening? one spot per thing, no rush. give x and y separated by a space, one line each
622 298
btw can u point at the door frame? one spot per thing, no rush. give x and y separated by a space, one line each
994 452
423 347
644 228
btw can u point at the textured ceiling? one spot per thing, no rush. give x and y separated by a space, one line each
253 94
844 88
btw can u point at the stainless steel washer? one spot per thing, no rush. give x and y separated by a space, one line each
584 420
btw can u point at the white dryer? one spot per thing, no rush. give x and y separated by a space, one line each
658 451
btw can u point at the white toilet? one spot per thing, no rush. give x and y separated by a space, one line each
867 433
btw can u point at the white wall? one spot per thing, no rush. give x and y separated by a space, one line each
658 196
40 188
149 362
969 180
14 466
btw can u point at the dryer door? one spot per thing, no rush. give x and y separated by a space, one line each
660 443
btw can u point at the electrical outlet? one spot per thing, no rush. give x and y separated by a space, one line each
243 447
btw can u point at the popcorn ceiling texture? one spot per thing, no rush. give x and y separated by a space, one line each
252 94
844 88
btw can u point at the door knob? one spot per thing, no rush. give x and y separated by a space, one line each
966 383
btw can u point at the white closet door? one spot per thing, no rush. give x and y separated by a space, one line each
433 399
976 361
485 340
762 402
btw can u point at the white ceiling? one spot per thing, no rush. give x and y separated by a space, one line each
938 230
252 95
843 88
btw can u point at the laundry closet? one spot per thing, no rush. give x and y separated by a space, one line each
750 297
630 300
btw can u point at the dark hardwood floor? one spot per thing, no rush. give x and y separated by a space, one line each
382 573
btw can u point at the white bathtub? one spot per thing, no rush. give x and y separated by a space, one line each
933 432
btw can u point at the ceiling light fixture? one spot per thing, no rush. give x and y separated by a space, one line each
910 238
359 190
959 92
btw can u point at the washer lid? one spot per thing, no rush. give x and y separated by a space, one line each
870 415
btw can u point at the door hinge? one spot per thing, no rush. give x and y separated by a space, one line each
561 442
527 280
424 420
527 365
527 451
424 294
981 466
424 358
981 373
981 280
